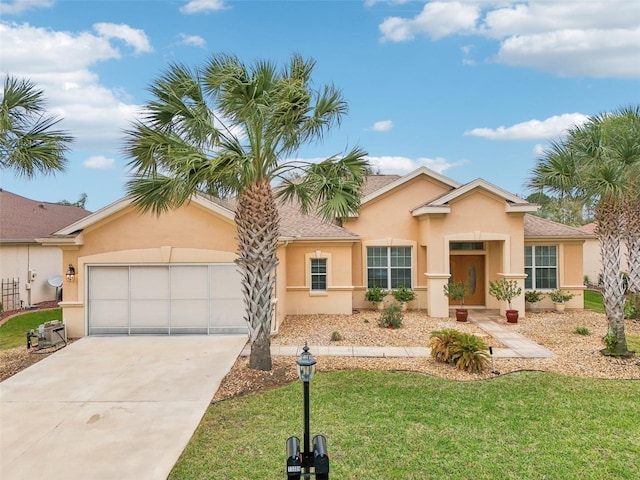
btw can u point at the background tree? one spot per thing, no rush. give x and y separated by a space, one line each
231 129
599 161
80 203
563 209
28 142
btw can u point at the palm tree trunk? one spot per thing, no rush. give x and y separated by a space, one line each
609 232
258 222
632 239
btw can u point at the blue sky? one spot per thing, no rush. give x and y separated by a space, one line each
469 88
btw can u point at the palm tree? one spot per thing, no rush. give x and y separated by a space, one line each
230 130
599 161
28 145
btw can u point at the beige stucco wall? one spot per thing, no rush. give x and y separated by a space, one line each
592 259
570 276
299 297
191 234
387 221
478 216
17 260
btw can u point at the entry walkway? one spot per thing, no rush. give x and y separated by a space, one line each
516 345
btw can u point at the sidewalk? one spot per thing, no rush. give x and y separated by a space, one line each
517 346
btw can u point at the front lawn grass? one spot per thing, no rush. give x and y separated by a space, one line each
593 301
401 425
13 333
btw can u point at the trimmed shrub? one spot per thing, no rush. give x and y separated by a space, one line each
391 317
466 351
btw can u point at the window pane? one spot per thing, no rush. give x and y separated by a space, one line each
528 258
546 278
528 282
318 274
377 277
400 256
400 277
376 256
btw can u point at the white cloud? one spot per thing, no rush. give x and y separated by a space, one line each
382 126
19 6
580 38
191 40
437 19
402 165
59 64
131 36
371 3
99 162
202 6
550 128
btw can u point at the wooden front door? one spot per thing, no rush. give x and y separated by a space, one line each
470 269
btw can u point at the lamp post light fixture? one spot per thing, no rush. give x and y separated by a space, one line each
71 273
299 463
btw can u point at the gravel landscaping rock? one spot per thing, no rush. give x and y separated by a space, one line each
577 355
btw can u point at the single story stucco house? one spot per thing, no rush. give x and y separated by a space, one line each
30 270
175 273
592 257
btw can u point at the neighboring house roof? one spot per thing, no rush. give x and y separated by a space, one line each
23 220
589 228
538 227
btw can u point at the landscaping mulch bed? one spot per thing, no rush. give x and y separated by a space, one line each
577 355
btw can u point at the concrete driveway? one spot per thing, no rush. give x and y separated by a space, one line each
110 407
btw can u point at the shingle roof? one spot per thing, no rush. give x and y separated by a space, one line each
589 228
376 182
297 225
541 227
23 220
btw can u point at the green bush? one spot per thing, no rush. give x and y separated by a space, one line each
403 294
470 353
466 351
632 307
375 294
336 336
391 317
440 343
582 331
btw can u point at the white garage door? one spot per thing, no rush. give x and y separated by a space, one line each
160 299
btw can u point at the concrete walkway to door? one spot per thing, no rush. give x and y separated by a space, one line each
110 407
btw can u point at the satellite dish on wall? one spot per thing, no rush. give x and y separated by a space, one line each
56 281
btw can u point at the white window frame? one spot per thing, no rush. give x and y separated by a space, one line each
388 266
313 274
531 269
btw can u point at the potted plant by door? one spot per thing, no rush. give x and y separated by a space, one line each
458 291
506 290
376 296
532 298
402 295
559 298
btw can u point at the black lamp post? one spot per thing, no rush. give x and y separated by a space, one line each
306 369
317 458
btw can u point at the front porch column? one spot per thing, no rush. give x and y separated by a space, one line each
438 301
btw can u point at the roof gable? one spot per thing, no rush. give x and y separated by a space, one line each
125 202
442 203
384 187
